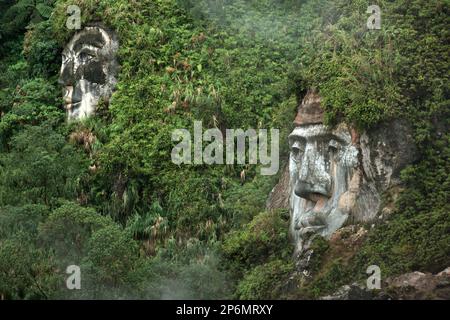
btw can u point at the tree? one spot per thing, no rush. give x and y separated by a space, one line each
40 168
18 14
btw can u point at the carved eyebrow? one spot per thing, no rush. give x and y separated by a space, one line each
336 138
309 131
86 47
93 40
89 49
295 138
292 138
316 132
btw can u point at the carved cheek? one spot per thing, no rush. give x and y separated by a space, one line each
293 169
68 92
347 200
95 73
66 75
92 72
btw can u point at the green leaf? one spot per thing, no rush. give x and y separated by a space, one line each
44 10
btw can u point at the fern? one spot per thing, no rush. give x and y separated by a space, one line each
44 10
19 15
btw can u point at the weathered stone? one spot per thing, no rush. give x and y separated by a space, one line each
409 286
386 150
351 292
419 286
310 111
349 236
337 175
88 70
279 196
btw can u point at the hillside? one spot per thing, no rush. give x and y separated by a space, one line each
103 193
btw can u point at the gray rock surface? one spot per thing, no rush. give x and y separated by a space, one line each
336 176
88 70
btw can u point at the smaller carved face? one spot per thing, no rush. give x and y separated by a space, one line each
88 70
321 167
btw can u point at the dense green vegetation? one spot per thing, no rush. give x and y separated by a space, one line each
103 193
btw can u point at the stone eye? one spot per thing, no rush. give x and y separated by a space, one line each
297 150
85 57
333 145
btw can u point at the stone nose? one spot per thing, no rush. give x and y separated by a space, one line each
313 179
304 189
66 76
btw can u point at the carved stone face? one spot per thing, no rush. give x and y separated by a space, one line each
323 175
88 70
336 176
322 170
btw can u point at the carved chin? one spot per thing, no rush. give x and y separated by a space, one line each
84 108
331 215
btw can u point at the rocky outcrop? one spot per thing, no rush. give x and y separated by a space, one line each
419 286
311 110
351 292
334 184
336 176
409 286
279 196
382 156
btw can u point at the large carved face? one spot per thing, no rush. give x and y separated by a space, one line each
337 176
323 176
88 70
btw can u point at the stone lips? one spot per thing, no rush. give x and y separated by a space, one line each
310 110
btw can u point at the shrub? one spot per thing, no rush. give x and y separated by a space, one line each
263 239
266 281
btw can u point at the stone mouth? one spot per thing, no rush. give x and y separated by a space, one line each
72 103
319 195
311 229
310 191
313 221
